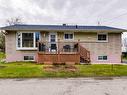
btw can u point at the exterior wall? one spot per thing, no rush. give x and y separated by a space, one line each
112 48
85 36
11 53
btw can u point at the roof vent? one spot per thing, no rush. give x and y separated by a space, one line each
64 24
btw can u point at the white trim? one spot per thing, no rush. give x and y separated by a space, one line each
16 37
102 40
69 33
21 40
27 48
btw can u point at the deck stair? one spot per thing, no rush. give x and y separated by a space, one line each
84 54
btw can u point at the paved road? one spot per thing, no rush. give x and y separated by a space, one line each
78 86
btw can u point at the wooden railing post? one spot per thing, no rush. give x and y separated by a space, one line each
78 45
58 51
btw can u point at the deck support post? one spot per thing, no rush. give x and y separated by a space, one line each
78 45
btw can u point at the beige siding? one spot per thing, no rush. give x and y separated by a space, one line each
112 49
11 53
85 36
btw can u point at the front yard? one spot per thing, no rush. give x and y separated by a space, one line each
32 70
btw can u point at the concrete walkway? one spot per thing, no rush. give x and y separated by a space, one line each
71 86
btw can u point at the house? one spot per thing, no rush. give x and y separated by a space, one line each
63 43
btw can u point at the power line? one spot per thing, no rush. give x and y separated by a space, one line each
110 20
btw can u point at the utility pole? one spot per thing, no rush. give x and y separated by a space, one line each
99 24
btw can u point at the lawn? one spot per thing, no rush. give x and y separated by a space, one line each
32 70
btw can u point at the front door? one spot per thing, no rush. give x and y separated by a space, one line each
52 42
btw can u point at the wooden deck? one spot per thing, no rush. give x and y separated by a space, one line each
58 58
62 54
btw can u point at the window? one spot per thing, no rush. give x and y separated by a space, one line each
29 58
19 39
27 40
102 57
53 38
102 37
68 36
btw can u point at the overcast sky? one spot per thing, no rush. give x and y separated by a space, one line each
85 12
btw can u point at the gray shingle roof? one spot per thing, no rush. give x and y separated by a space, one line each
58 27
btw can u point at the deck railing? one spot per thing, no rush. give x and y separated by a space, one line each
58 47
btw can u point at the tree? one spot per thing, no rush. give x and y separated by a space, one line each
2 41
13 21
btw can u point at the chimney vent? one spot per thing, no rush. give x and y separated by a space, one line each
76 26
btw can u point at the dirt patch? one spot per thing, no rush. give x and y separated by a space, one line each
1 67
55 68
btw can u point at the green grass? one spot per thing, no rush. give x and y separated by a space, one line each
32 70
2 55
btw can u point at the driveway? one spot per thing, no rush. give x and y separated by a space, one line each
71 86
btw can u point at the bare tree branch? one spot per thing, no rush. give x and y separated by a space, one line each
13 21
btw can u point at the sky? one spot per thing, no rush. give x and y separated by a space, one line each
81 12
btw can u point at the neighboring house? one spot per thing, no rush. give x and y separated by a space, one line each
63 43
124 51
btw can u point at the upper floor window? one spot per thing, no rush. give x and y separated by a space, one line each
102 37
27 39
68 36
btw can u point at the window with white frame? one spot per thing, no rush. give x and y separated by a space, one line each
102 57
102 37
29 58
27 39
68 36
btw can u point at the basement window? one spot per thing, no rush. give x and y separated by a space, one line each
102 58
29 58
